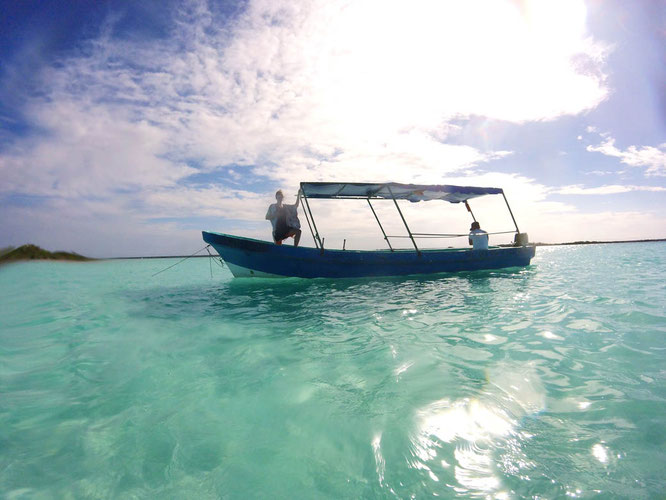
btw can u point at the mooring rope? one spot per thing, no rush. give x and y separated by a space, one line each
182 260
211 260
217 261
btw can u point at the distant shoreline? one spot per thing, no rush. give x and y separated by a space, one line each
599 242
538 244
32 252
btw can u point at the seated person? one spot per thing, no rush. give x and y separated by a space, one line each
478 238
284 219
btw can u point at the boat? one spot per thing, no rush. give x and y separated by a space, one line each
247 257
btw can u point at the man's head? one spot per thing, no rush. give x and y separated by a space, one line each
475 225
278 195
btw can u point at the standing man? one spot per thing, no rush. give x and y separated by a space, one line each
284 219
478 238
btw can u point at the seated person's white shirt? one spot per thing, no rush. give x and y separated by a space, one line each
479 239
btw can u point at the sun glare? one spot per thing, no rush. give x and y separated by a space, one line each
383 67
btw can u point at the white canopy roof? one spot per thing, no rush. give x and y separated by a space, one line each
393 190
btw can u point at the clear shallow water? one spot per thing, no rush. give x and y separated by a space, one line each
544 382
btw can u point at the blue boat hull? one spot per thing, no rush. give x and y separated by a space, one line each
249 257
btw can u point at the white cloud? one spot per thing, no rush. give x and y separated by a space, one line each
421 63
598 226
207 201
602 172
299 91
89 152
292 83
654 158
609 189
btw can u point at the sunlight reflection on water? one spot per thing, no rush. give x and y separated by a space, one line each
478 427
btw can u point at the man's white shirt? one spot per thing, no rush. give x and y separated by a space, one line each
479 239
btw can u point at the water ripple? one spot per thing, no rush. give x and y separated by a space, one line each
546 381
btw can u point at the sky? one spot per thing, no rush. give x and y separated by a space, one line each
126 128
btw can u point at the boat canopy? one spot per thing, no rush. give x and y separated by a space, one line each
394 191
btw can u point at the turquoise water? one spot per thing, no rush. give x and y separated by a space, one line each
543 382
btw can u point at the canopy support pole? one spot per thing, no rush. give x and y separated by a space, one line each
470 210
380 224
418 252
315 232
512 217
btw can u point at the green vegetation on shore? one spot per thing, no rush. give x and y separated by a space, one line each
6 250
33 252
